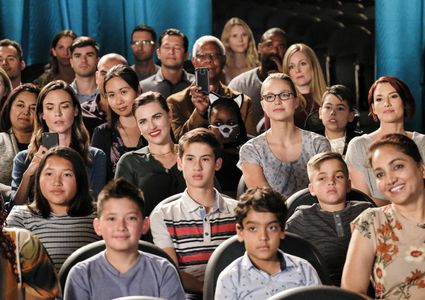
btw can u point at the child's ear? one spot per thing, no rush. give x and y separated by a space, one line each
97 227
179 163
311 189
218 163
146 225
351 116
320 113
348 185
239 232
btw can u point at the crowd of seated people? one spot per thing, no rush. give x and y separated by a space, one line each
175 156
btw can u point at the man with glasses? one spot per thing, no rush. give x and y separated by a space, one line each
94 111
271 49
143 45
190 107
11 60
172 52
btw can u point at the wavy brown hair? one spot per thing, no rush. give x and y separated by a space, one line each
7 245
79 136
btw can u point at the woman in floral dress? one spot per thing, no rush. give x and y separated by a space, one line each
388 242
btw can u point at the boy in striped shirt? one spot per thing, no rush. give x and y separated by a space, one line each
190 228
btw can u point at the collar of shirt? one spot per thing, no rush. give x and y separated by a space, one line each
75 87
159 77
247 263
191 205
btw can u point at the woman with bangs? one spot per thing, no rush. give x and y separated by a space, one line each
120 134
57 111
17 125
301 64
241 50
62 212
390 103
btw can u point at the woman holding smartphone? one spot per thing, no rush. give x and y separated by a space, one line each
57 111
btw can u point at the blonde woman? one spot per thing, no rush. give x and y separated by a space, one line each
301 64
241 51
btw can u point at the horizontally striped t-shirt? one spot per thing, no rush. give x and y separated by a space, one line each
60 234
185 226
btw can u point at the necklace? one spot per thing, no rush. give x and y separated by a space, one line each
173 150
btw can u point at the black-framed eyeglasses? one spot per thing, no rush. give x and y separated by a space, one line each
142 42
205 56
284 96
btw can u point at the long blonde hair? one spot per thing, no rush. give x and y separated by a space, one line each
318 84
251 52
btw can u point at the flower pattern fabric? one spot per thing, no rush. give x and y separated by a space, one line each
399 266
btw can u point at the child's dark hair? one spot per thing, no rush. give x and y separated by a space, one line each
200 135
120 188
232 106
316 161
342 92
82 203
262 199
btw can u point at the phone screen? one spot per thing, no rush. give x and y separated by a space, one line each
50 139
202 80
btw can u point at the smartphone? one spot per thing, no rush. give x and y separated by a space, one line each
202 80
49 139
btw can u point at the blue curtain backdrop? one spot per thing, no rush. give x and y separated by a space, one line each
33 23
400 47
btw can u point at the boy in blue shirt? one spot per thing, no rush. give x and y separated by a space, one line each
122 270
264 270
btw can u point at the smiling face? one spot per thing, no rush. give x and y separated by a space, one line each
58 183
335 114
22 112
121 224
199 164
59 112
171 53
300 70
399 178
120 96
154 123
279 110
330 185
261 234
387 104
238 39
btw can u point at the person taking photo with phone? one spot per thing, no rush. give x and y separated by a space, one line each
57 110
190 106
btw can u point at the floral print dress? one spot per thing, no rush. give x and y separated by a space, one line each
399 267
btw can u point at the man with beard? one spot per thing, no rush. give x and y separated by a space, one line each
172 52
84 59
143 45
271 50
11 60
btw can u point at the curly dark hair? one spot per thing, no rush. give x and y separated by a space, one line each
7 245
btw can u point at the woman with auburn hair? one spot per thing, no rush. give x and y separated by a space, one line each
17 125
387 243
62 212
390 103
241 50
57 111
278 157
301 64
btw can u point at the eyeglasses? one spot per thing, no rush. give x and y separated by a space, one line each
205 56
142 42
284 96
